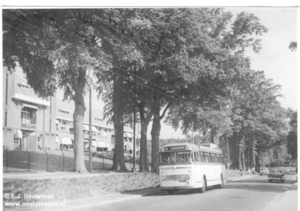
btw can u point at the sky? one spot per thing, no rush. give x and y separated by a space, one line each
275 58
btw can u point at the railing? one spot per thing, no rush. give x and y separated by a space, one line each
51 160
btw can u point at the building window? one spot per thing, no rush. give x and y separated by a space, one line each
64 111
28 115
23 85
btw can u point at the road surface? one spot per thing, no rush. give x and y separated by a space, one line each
252 194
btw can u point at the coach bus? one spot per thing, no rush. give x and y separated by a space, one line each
187 166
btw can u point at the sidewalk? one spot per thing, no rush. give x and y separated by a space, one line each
53 175
287 201
240 177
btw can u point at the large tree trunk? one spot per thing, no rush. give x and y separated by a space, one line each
257 166
253 153
241 156
243 159
143 142
143 147
118 109
156 126
155 132
78 133
78 82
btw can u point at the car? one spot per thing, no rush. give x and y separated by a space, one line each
276 175
264 171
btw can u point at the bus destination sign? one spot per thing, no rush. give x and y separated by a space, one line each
175 148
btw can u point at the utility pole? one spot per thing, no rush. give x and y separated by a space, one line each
134 119
193 132
90 134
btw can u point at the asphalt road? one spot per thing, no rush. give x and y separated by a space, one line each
252 194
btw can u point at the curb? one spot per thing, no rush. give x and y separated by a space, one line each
240 177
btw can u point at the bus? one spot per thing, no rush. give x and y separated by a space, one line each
187 166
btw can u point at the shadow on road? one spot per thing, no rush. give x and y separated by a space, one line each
260 185
263 181
158 192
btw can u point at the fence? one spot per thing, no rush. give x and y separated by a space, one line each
43 160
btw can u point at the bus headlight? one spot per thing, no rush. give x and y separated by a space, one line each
163 178
187 177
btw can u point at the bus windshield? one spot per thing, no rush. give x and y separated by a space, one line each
171 158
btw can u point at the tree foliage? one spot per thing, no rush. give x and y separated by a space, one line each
293 46
55 49
184 63
292 142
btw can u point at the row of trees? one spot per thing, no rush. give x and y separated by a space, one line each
185 65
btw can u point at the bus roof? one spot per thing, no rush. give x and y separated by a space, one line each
179 146
188 146
208 149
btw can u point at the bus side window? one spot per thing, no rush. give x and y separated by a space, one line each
222 159
192 157
212 157
219 158
204 157
207 157
201 156
196 156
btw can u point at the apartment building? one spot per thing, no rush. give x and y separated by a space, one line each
30 122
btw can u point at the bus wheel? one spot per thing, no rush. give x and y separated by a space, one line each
221 185
170 192
202 190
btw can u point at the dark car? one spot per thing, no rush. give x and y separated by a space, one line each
276 175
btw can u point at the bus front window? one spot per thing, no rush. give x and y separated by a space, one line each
171 158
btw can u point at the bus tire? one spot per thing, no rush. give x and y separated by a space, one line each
203 189
221 185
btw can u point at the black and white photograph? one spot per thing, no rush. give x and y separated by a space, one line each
149 107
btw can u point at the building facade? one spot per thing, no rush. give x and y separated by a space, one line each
30 122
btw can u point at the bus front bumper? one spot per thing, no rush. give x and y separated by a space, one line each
187 184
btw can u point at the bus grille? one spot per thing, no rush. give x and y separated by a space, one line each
175 177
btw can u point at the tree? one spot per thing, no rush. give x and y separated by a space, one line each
56 49
292 143
293 46
224 67
258 117
115 27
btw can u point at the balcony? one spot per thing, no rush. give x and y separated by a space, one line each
27 126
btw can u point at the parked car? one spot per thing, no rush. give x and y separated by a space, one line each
264 171
277 175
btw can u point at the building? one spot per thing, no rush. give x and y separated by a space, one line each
30 122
